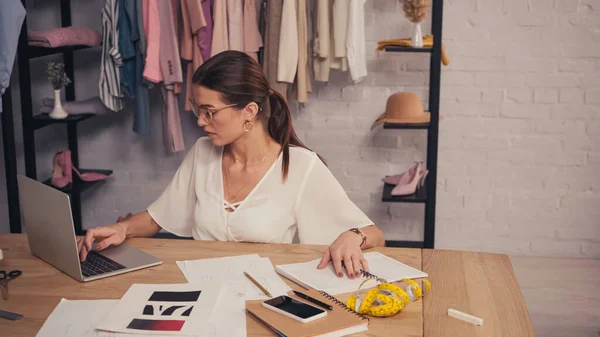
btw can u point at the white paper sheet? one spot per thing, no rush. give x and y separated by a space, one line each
231 270
161 309
79 318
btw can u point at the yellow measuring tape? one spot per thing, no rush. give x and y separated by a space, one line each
387 299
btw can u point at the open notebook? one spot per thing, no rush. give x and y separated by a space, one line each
340 321
307 275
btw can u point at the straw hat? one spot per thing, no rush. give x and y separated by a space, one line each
403 107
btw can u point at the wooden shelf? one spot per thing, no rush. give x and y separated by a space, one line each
419 197
35 52
410 126
401 49
80 186
42 120
405 244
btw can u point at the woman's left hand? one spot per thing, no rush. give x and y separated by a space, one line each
346 249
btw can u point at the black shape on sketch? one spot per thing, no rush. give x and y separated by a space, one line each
170 310
187 312
175 296
148 310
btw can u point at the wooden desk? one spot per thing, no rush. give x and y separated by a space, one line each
477 283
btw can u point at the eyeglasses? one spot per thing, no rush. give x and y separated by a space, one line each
206 112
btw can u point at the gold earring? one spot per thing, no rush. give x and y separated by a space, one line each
246 127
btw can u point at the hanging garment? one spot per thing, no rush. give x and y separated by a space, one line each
220 39
287 63
172 135
171 70
235 24
125 27
110 82
339 20
322 40
206 32
193 22
12 15
141 118
252 39
262 28
357 56
152 28
271 50
303 85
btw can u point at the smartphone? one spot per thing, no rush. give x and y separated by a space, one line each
295 309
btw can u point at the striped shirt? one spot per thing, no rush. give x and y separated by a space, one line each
109 83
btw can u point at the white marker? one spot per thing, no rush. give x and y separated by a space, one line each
465 317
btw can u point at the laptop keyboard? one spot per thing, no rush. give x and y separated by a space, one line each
96 264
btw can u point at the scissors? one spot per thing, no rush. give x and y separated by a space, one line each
5 278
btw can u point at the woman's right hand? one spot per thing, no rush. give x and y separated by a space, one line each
105 235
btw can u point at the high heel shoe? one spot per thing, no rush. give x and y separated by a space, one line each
417 180
404 177
61 169
62 173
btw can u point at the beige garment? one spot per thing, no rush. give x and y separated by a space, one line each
303 85
193 20
339 30
252 39
235 24
322 40
287 63
220 41
271 52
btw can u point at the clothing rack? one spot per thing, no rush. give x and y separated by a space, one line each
31 123
428 194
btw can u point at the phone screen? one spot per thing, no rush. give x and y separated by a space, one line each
294 307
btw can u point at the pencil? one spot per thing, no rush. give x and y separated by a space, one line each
258 285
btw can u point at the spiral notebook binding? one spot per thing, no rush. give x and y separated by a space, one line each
367 274
343 306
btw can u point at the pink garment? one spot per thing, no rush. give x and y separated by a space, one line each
206 33
193 22
170 64
172 75
235 22
252 39
152 70
64 36
172 134
220 41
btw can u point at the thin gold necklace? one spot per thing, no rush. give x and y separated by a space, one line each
264 156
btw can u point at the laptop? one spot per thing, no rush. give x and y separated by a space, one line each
49 223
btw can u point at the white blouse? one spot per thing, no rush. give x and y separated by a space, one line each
311 203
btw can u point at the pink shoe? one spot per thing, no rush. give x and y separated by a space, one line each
61 171
90 176
417 180
404 177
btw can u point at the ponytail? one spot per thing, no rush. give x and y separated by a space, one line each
280 128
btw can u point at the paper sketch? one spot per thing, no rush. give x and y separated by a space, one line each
231 270
78 318
179 309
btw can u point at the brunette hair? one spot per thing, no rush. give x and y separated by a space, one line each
240 80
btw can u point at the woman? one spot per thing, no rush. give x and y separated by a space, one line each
250 179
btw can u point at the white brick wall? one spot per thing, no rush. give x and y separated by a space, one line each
519 160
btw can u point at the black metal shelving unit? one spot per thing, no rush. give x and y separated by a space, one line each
10 162
426 195
31 123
